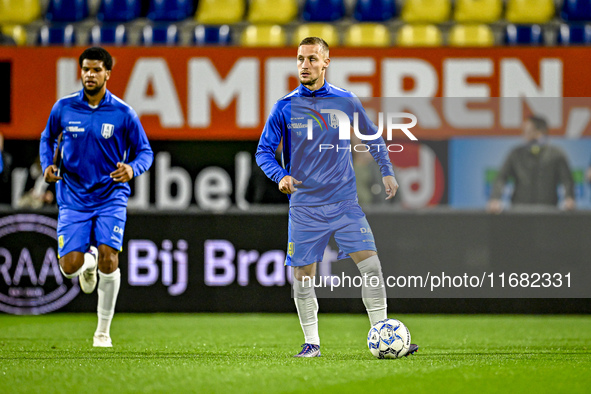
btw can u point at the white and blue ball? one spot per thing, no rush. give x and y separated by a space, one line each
388 339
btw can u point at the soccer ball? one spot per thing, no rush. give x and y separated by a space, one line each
388 339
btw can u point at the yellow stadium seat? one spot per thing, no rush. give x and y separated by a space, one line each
426 11
483 11
263 36
323 30
529 11
17 32
272 11
368 35
471 36
419 36
219 12
19 11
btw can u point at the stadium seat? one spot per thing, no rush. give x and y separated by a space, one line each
478 11
108 35
374 10
57 35
529 11
419 36
67 10
576 10
323 10
426 11
574 35
212 35
17 32
119 10
263 36
272 11
524 35
327 31
367 34
220 12
170 10
19 11
471 36
160 35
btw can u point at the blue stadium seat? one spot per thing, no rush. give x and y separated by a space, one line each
170 10
57 35
374 10
119 10
323 10
160 35
576 10
67 10
212 35
524 35
574 35
108 35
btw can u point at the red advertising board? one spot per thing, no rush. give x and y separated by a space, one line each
226 93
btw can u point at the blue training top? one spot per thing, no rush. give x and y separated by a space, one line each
326 174
94 140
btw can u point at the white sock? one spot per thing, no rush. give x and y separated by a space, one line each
374 297
108 288
89 262
307 306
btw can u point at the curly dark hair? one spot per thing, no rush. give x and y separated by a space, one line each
97 53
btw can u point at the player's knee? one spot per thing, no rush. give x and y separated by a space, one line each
362 255
107 262
71 263
303 273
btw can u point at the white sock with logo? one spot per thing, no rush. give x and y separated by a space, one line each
304 297
374 297
108 288
89 262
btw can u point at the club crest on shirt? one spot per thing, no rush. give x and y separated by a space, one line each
333 121
107 130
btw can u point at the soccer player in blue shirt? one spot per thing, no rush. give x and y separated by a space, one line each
102 147
322 189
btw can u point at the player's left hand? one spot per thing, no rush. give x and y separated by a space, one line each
391 186
123 173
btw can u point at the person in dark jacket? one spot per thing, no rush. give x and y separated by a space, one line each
537 169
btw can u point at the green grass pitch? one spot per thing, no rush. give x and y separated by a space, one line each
240 353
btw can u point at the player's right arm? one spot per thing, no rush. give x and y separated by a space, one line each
47 143
268 143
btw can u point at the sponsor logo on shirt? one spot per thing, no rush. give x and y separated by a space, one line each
75 129
296 125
